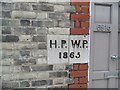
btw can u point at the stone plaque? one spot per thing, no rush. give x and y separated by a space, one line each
78 49
67 49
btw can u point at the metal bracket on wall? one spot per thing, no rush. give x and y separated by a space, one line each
112 75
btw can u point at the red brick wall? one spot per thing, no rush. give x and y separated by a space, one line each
81 27
79 75
80 17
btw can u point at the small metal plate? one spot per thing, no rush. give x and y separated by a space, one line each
112 75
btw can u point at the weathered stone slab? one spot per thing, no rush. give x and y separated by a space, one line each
23 14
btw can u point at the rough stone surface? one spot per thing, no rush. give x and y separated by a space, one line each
28 1
59 8
10 84
24 31
57 74
25 22
6 30
10 38
25 84
7 6
23 14
26 68
59 31
25 38
42 45
43 7
37 23
23 6
59 16
41 38
42 15
41 82
42 68
6 14
25 26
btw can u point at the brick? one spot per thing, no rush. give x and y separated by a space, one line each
83 17
6 30
25 22
78 86
79 31
24 84
85 9
84 24
80 2
77 24
42 82
78 8
10 38
42 68
83 67
41 38
83 80
87 3
23 14
57 74
76 80
75 2
76 67
78 73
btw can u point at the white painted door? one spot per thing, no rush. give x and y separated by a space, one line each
104 48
